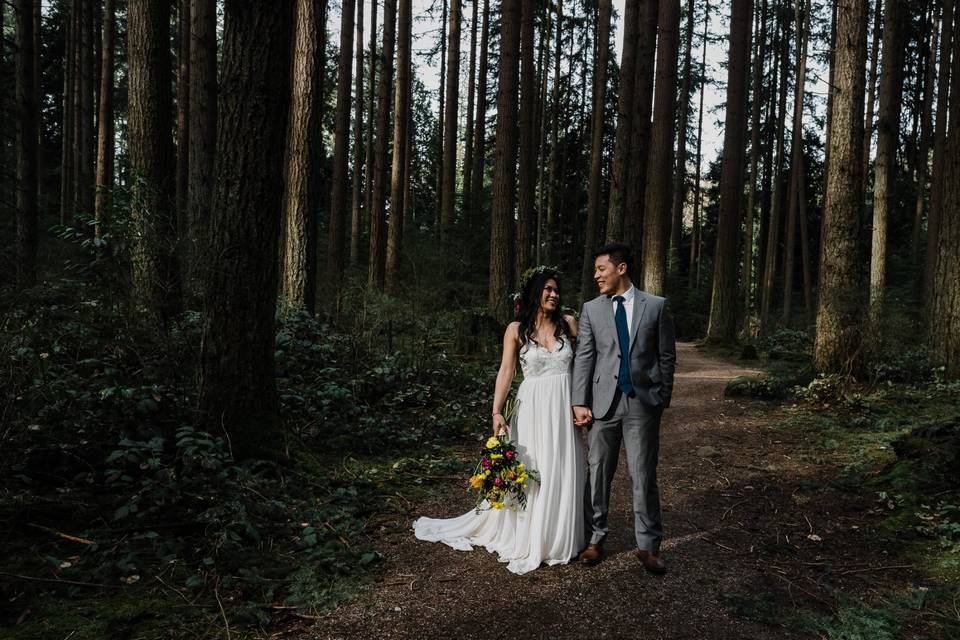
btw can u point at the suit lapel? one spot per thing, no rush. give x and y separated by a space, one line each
608 320
639 302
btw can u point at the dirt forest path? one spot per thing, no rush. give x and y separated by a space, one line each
735 512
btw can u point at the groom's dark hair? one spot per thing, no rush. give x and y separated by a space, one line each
619 254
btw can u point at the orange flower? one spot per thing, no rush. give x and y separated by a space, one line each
476 482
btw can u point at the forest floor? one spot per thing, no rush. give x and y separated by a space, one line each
760 544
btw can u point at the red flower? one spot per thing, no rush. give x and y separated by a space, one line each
486 463
509 455
498 482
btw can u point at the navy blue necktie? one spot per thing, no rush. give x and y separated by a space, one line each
623 337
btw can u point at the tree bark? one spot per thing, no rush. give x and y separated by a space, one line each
301 161
551 185
923 152
183 127
356 215
441 112
625 107
448 167
837 347
153 212
378 215
797 170
605 8
203 137
657 198
468 145
945 298
528 140
939 151
87 110
871 90
722 326
104 176
773 227
505 172
238 394
756 90
27 112
401 118
634 214
888 136
67 203
371 118
680 175
480 125
695 230
340 181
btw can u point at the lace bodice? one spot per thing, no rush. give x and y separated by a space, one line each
537 361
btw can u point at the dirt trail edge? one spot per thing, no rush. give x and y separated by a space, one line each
737 509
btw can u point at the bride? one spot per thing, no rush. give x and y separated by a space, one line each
550 530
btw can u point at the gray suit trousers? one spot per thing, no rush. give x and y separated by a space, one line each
637 426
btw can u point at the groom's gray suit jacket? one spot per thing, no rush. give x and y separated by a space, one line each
653 353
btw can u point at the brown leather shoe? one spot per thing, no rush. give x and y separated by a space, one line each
651 562
591 555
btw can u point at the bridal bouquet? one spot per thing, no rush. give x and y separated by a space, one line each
500 476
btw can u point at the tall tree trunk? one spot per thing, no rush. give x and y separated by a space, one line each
551 185
680 176
378 214
27 112
797 170
723 303
695 230
471 90
302 159
153 212
888 136
448 167
837 347
923 152
104 176
625 107
757 101
371 118
634 217
605 8
441 113
657 197
358 167
773 228
183 126
480 120
505 173
38 92
830 94
939 150
203 137
401 118
528 140
238 394
945 298
543 70
871 90
340 181
67 203
87 109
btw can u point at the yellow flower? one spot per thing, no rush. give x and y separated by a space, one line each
493 442
495 456
497 505
521 467
522 478
476 481
486 473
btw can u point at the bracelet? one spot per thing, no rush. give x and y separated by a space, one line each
497 413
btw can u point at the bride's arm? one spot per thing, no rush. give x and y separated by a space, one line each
508 368
572 324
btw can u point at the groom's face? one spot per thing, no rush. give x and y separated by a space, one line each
608 276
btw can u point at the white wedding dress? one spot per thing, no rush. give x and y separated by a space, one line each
550 530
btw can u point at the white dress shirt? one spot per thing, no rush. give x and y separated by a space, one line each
627 307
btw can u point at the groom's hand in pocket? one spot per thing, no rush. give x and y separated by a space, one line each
582 416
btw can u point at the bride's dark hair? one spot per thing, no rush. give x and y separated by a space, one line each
529 304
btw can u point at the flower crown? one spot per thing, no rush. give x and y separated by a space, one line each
528 275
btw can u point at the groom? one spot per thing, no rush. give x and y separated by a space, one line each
622 382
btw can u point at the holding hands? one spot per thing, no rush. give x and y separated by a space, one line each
582 416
